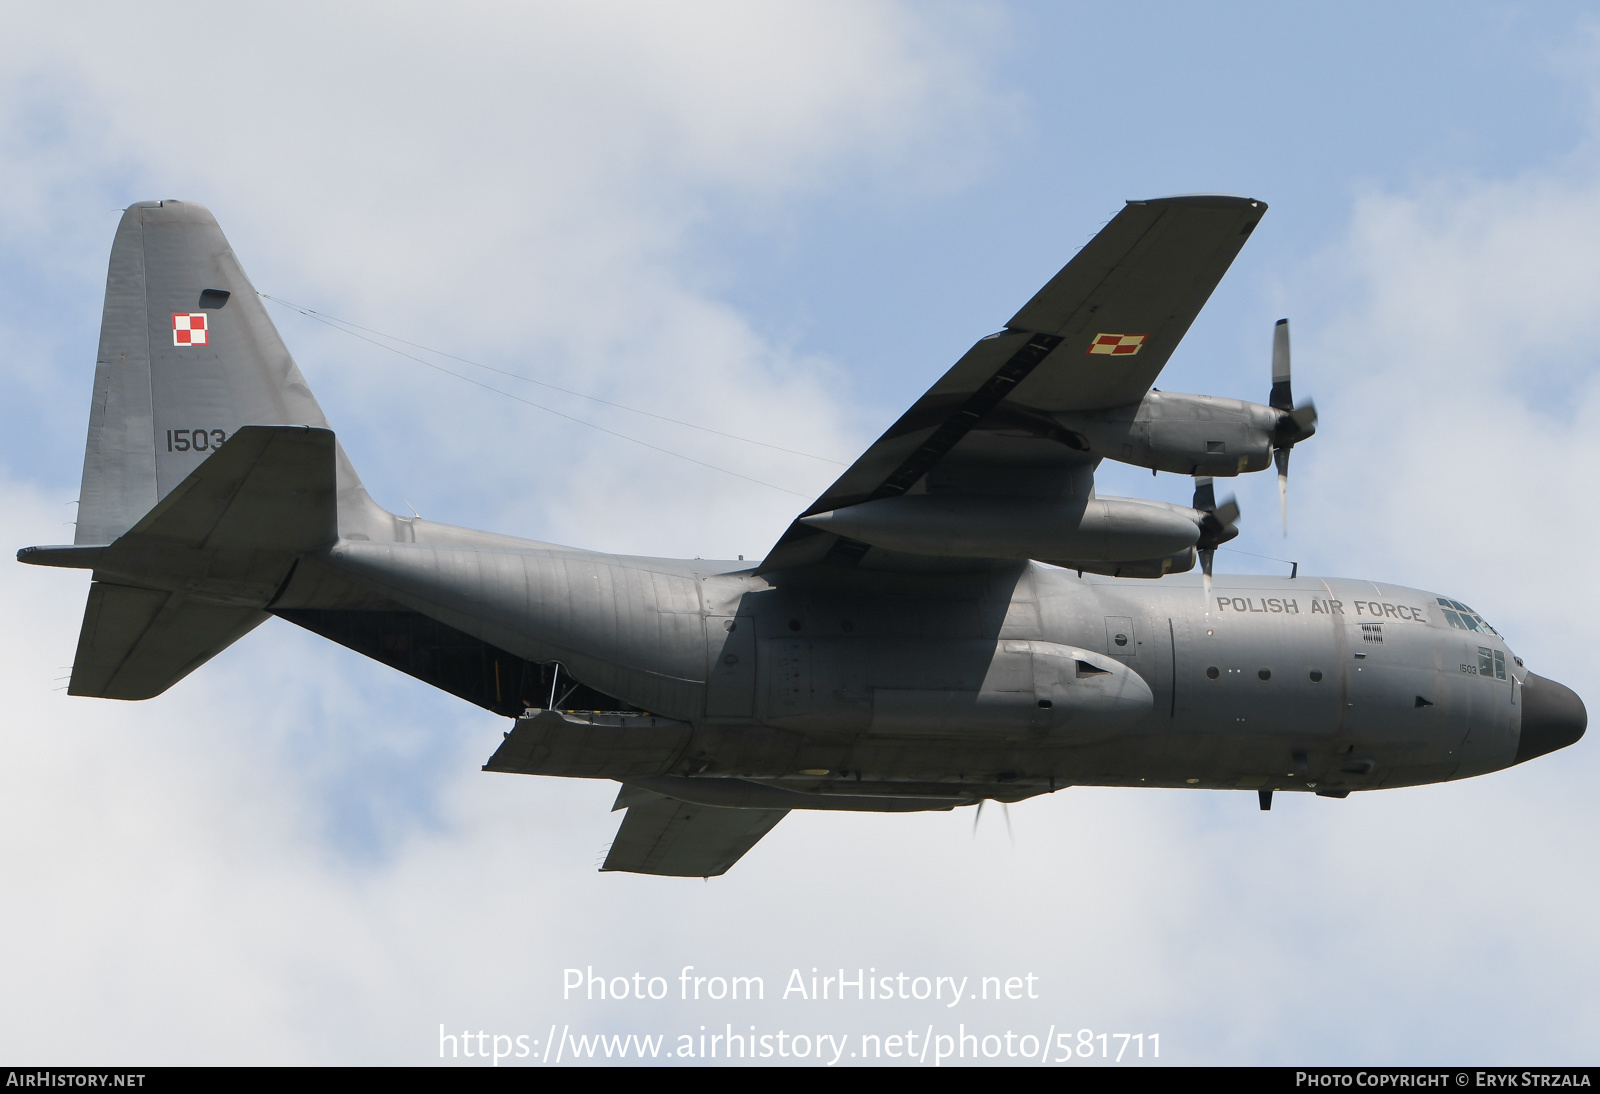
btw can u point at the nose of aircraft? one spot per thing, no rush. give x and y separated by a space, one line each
1552 717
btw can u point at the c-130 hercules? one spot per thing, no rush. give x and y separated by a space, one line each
958 618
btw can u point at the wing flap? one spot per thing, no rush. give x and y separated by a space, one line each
660 835
547 742
923 436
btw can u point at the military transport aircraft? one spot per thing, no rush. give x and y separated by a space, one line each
959 617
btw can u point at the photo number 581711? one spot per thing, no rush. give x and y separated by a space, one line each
1085 1045
194 440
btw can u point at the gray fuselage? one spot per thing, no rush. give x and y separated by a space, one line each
1004 682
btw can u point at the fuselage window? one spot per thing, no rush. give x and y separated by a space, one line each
1499 665
1486 661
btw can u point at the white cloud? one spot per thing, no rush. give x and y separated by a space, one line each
514 184
1459 391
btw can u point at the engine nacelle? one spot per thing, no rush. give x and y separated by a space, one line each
1148 568
1182 434
1095 529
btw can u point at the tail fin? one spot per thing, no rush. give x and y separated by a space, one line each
188 550
187 355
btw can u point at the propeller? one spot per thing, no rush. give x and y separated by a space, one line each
1005 811
1217 527
1295 424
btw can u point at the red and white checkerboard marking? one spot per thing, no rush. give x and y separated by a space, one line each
1117 345
189 328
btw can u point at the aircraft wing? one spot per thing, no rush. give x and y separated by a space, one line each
1095 337
661 835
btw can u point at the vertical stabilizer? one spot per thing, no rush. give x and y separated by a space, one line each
187 355
188 551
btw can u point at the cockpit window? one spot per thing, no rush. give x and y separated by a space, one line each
1463 618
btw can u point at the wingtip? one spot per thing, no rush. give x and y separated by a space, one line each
1203 201
71 557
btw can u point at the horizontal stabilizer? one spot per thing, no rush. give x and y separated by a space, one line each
269 488
195 573
136 643
660 835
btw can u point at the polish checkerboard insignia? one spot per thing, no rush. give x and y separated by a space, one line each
1117 345
189 328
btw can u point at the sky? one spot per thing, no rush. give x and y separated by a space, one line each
785 221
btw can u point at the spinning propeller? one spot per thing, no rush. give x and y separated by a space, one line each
1216 527
1004 809
1294 424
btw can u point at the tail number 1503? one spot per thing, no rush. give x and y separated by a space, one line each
196 440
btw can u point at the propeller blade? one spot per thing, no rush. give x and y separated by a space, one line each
977 817
1227 513
1005 811
1282 397
1216 527
1295 424
1281 458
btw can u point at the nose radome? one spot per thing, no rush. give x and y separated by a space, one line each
1552 717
